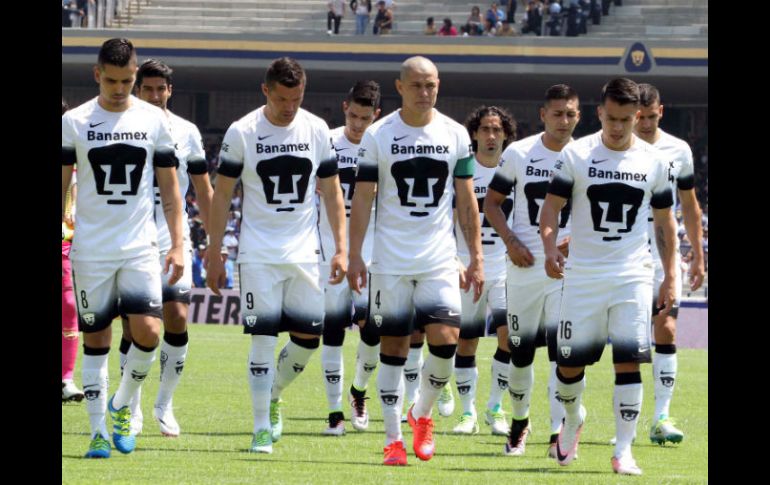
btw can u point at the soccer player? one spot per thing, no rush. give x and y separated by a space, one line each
414 157
613 179
117 140
491 129
361 108
154 85
281 152
69 316
678 157
533 298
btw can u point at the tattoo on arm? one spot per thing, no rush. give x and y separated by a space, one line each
465 224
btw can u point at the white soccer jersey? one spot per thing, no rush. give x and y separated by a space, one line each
347 161
414 169
526 168
192 160
681 175
612 192
115 154
491 244
278 166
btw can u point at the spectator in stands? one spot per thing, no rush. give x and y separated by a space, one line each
510 11
506 30
198 270
533 18
554 17
75 13
383 21
447 29
230 242
493 19
336 12
475 23
430 28
362 8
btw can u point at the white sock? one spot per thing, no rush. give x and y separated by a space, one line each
261 372
664 368
627 403
467 379
390 385
138 364
412 375
570 396
136 400
499 382
435 375
557 410
333 370
95 387
291 362
367 358
171 364
520 389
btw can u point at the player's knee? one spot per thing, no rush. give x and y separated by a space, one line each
523 357
467 346
305 341
446 351
334 336
369 335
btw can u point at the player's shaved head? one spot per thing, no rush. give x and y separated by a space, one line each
418 64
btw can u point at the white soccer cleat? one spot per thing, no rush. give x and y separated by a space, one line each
137 420
446 402
336 424
495 417
359 416
567 443
517 439
166 420
468 424
70 392
625 465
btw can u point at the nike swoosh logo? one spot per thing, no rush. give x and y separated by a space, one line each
184 292
477 178
453 314
666 373
332 371
255 363
340 149
625 405
94 125
399 138
260 138
463 382
315 324
598 161
154 304
532 160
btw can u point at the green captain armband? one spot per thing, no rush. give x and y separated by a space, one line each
464 168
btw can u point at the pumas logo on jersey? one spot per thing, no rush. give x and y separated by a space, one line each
420 183
566 351
118 169
89 318
285 180
614 208
378 320
250 320
515 340
535 193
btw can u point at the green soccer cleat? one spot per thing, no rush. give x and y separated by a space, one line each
124 441
99 447
262 442
664 430
276 423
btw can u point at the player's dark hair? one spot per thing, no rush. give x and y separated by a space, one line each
64 106
473 122
648 94
622 91
154 68
560 91
117 52
285 71
365 93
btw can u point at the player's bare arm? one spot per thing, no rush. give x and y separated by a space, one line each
493 210
360 211
220 206
549 232
172 210
203 193
691 214
665 237
335 209
66 178
468 217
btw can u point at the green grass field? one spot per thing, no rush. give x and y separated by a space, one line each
213 407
